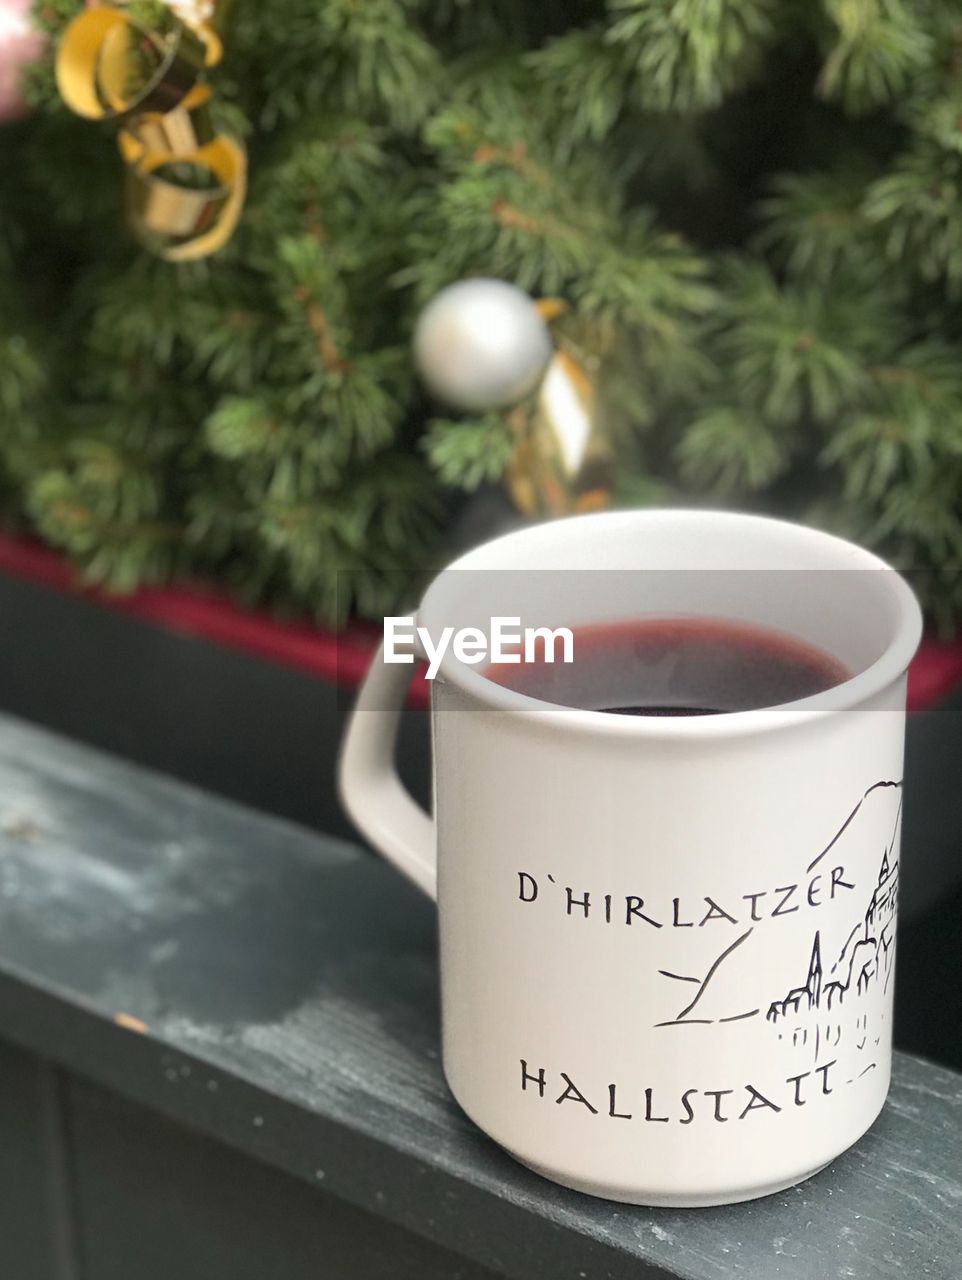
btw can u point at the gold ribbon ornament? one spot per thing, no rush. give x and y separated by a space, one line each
186 182
562 463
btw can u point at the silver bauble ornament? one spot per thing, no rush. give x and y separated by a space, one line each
482 345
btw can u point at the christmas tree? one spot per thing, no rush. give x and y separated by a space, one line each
750 208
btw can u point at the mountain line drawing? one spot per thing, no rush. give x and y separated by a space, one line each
843 962
851 818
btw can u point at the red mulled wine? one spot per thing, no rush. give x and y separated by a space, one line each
676 667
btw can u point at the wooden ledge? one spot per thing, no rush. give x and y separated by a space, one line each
277 992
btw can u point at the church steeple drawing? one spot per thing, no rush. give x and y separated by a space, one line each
814 983
809 996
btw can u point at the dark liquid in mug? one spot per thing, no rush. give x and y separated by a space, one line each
676 667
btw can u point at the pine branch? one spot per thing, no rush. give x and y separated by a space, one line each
731 451
468 454
257 418
879 46
687 54
917 208
815 224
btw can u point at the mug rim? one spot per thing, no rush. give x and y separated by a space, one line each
890 666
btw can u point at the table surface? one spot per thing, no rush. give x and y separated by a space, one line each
278 991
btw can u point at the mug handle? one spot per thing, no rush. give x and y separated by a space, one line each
371 791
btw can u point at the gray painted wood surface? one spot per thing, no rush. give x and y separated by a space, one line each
156 1201
276 992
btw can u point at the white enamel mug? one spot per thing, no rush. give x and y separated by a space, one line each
667 943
